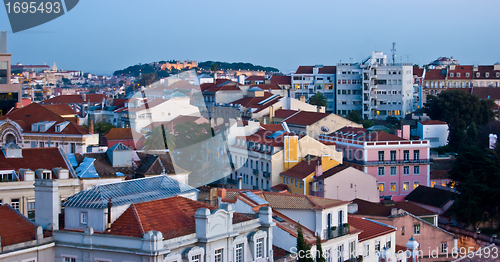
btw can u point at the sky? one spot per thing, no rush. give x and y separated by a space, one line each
104 36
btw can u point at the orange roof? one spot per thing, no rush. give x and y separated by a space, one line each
220 85
281 80
435 74
75 99
253 102
362 134
150 216
304 118
369 229
303 169
266 87
35 113
15 228
123 134
61 109
462 70
35 158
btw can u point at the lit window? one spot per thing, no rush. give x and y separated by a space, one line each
218 255
444 183
393 186
259 248
416 229
433 183
381 187
406 186
416 184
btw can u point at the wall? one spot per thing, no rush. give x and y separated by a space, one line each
40 253
306 218
351 183
440 132
373 256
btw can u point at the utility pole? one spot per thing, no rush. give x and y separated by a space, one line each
393 52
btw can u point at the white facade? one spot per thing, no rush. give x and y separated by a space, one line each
309 84
348 88
437 134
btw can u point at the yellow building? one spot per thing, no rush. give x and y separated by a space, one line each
300 177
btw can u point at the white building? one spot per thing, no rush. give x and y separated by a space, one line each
433 130
308 80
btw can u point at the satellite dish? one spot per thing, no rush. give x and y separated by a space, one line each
325 129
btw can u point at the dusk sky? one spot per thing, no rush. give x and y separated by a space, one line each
103 36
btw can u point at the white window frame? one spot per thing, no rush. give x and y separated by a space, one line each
415 231
84 217
445 249
366 250
258 236
195 251
219 255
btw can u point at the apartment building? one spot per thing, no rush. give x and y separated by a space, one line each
308 80
10 93
399 164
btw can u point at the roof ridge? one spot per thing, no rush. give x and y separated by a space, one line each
138 219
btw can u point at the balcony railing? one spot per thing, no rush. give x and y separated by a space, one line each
335 232
266 174
255 171
389 162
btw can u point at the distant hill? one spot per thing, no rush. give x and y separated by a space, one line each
235 66
154 67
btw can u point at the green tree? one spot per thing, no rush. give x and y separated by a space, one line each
158 138
303 248
472 133
214 67
66 81
459 109
103 127
355 116
476 174
319 251
147 79
317 99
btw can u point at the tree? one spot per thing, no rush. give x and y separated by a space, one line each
214 67
317 99
355 116
303 248
103 127
158 138
459 109
148 79
476 174
66 81
319 251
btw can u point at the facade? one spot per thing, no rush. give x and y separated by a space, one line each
10 93
126 136
35 126
308 80
418 81
345 183
433 130
434 82
349 88
400 165
486 76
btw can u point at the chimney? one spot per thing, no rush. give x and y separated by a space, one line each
271 114
394 211
352 208
110 205
302 99
47 206
240 183
406 132
19 105
91 126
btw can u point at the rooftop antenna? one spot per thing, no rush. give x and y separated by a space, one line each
393 52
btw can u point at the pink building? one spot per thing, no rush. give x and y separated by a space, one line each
400 165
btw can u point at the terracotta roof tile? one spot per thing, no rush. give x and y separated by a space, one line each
322 70
123 134
304 118
15 228
465 72
302 169
150 216
61 109
293 201
35 158
432 122
435 74
253 102
482 70
220 85
366 208
279 187
369 229
281 80
335 170
255 78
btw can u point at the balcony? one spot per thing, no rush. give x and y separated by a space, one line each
266 174
256 171
335 232
389 162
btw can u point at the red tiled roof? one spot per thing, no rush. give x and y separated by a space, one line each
362 134
305 118
34 113
61 109
432 122
75 99
435 74
119 102
15 228
304 70
462 70
253 102
332 171
302 169
35 158
219 85
284 113
417 71
487 92
280 187
281 80
280 253
439 174
123 134
266 87
150 216
482 70
369 229
272 127
255 78
322 70
293 201
262 137
366 208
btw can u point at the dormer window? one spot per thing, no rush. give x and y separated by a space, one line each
478 74
46 175
451 74
487 74
458 74
467 74
497 74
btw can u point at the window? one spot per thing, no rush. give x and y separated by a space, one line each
444 247
239 253
416 170
416 154
406 170
393 155
73 149
402 231
381 187
340 253
433 183
33 144
451 74
218 255
394 171
83 218
380 170
251 164
416 229
388 242
377 245
352 253
393 186
366 251
406 155
196 258
46 175
296 183
416 184
14 203
406 186
259 248
487 74
458 74
380 155
69 259
444 183
31 209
